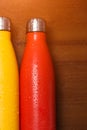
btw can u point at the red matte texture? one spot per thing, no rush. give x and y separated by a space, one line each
37 85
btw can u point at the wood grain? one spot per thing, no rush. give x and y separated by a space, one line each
67 41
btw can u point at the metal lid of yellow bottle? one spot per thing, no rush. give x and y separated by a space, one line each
5 24
36 25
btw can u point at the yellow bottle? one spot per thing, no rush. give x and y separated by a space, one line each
9 80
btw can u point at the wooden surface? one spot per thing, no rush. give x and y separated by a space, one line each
67 41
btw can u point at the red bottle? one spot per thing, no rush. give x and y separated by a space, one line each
37 84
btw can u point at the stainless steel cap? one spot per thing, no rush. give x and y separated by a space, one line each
5 24
36 25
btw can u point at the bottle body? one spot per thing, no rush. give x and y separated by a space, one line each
9 85
37 85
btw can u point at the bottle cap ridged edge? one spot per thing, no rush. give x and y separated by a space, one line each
5 23
36 25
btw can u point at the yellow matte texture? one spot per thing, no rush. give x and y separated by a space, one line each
9 85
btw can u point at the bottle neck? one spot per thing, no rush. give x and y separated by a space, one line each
35 36
5 35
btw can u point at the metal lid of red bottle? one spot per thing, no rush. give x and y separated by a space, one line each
36 25
5 23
